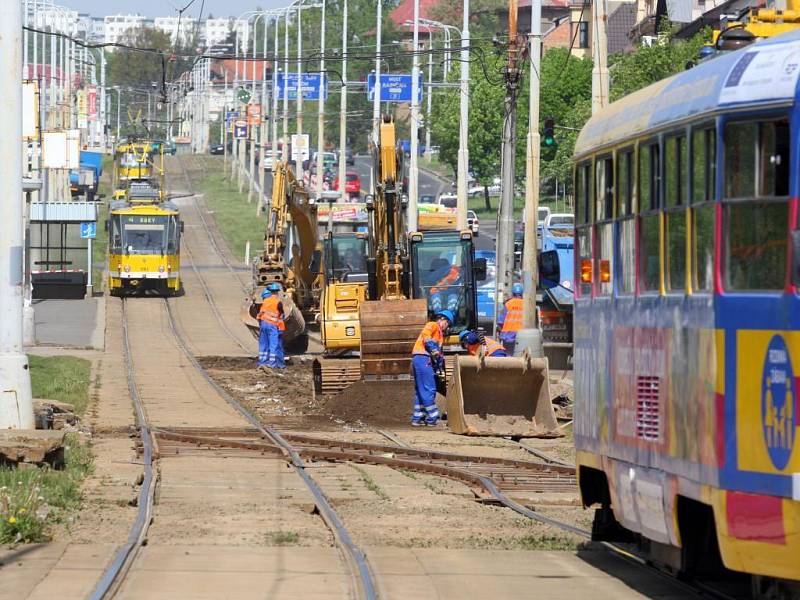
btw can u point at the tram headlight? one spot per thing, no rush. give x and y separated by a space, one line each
127 268
160 268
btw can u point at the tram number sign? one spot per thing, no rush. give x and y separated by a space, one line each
89 230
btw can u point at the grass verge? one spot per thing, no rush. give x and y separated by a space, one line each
32 499
234 217
62 378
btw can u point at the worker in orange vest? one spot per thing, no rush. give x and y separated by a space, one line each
427 360
510 320
271 328
471 341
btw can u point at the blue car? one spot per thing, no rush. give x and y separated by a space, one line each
486 289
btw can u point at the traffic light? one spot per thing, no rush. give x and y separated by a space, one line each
549 135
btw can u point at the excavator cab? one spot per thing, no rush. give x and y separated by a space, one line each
344 290
444 272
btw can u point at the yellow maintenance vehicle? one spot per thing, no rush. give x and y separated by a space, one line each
410 277
291 256
777 17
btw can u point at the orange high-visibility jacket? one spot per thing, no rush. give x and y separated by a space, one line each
431 331
513 320
450 279
492 346
272 312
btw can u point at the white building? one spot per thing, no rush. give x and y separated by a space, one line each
117 26
180 30
216 30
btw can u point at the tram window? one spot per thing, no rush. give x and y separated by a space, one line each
703 248
583 187
649 266
604 194
625 183
675 251
703 165
755 253
740 160
675 170
774 158
584 239
648 177
605 256
627 256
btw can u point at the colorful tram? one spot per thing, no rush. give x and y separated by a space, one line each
687 317
144 246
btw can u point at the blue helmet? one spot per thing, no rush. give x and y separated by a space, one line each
447 314
468 337
266 294
275 287
517 289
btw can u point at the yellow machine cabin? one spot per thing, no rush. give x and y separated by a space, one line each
144 246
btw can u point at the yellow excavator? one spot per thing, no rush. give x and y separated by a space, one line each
291 256
777 17
386 300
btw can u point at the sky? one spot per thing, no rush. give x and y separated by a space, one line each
167 8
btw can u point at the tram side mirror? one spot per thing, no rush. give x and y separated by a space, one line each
480 269
796 256
181 226
549 269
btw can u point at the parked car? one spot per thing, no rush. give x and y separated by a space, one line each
217 149
448 200
268 156
352 186
349 158
560 221
477 189
473 222
427 199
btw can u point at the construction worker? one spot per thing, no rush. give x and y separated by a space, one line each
471 341
427 360
270 338
510 320
445 291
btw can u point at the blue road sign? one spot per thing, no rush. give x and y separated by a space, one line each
394 88
240 130
89 230
231 116
311 82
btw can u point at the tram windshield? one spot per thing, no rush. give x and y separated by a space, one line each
145 234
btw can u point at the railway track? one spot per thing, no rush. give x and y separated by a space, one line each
492 480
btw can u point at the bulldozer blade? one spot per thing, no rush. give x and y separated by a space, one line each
389 329
495 396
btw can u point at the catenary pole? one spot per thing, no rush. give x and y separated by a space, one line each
16 407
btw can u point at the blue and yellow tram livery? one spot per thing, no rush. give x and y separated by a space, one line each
687 315
144 247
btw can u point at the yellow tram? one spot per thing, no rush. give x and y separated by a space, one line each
133 161
144 244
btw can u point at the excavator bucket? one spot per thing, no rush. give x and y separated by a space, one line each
389 329
501 397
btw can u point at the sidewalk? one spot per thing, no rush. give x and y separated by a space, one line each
70 323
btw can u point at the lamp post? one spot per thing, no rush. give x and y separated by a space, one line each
413 176
463 133
343 111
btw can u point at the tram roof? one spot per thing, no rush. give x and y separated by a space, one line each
125 207
716 84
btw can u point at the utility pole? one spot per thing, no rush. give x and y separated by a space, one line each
505 232
343 113
413 175
600 55
264 123
530 271
16 407
274 115
463 130
321 111
103 114
376 102
286 154
429 99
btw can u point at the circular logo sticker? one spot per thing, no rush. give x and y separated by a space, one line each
778 402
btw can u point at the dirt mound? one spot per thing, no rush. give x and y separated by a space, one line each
380 404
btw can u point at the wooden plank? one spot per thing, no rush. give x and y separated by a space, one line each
389 333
